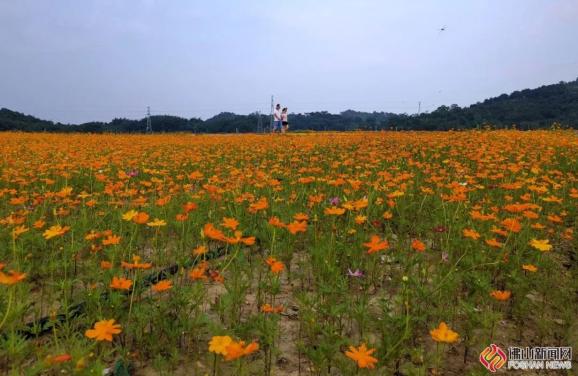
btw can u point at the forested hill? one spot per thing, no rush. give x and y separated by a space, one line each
527 109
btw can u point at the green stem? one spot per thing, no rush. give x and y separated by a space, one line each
10 298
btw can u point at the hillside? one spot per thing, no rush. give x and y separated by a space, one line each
527 109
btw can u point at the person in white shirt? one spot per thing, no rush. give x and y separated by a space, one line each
277 122
284 120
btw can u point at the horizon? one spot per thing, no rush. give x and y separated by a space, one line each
95 61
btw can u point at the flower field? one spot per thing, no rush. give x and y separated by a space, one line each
303 254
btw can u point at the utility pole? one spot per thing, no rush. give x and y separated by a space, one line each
259 122
271 122
149 125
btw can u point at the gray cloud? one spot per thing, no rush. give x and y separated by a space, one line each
75 61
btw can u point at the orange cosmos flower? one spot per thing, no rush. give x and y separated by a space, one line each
240 239
530 268
198 272
387 215
111 240
141 218
276 266
196 175
362 356
262 204
334 210
58 359
189 207
512 225
181 217
163 201
136 264
275 222
39 224
376 244
212 233
11 278
295 227
200 250
530 214
267 308
235 350
499 231
417 245
163 285
250 348
216 276
17 200
470 233
443 333
300 217
482 217
54 231
105 265
121 283
19 230
501 295
494 243
103 330
230 223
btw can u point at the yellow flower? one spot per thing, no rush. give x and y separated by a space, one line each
129 215
541 245
157 223
54 231
443 333
219 344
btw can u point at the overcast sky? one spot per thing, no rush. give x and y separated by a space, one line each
81 60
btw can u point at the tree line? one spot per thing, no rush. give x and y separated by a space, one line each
525 109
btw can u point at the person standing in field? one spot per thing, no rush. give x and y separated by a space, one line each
277 122
284 120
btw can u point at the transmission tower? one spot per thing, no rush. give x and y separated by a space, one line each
259 122
149 125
